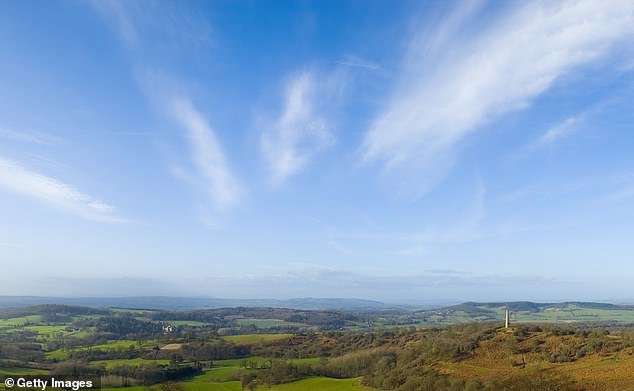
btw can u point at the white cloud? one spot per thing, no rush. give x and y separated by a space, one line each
298 133
206 153
173 27
28 137
168 25
116 12
450 86
358 62
560 130
22 181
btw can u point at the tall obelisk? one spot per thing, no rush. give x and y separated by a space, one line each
507 318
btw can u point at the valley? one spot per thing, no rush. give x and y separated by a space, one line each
570 346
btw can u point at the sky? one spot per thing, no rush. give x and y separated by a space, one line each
397 151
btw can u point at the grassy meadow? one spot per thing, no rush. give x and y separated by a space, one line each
587 346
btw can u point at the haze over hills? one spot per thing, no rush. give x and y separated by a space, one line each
183 303
489 309
462 347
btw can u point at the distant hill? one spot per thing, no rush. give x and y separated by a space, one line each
531 306
526 311
467 311
185 303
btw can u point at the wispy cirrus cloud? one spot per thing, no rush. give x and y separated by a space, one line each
20 180
299 132
358 62
458 80
119 14
560 131
142 23
568 127
28 137
206 152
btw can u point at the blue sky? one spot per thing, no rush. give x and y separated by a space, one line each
417 151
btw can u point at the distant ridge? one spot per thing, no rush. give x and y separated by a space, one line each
567 311
188 303
192 303
532 306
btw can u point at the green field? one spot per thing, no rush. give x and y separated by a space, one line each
260 360
225 370
132 311
312 384
193 323
266 323
132 362
33 323
46 331
223 374
20 321
568 313
322 384
188 354
251 339
191 386
21 371
565 314
62 354
576 314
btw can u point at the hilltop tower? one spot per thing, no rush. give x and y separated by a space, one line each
507 318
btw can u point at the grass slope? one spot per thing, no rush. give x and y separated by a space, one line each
311 384
494 360
108 364
322 384
252 339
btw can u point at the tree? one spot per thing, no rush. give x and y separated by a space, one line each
171 386
247 380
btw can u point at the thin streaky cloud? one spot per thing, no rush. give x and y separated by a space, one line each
298 133
28 137
206 152
136 22
20 180
553 135
566 128
560 131
116 12
357 62
440 100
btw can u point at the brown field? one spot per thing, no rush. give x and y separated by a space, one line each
172 346
494 359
